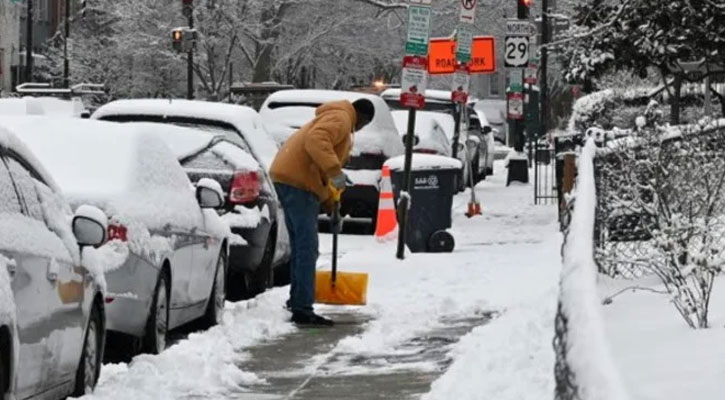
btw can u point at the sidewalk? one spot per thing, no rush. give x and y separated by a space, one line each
473 324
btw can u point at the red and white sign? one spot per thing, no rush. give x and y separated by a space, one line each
414 82
515 105
461 84
468 11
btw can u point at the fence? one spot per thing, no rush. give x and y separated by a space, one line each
584 369
649 203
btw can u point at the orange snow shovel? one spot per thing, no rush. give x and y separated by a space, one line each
339 288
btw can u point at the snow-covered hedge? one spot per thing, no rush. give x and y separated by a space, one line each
609 109
585 369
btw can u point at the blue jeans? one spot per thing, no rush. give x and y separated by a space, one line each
301 209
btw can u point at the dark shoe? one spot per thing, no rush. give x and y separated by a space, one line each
311 320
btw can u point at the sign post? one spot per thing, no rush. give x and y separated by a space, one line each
412 96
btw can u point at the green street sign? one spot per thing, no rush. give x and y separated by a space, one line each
418 37
464 41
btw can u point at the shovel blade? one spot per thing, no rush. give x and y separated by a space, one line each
350 288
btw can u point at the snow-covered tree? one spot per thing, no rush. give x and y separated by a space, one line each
645 35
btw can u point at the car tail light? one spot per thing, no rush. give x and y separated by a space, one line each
245 187
117 232
426 151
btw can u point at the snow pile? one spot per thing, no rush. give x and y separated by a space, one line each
185 142
243 217
204 365
424 162
123 170
7 300
588 350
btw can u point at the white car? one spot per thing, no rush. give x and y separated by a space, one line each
244 127
165 262
430 137
286 111
52 309
43 106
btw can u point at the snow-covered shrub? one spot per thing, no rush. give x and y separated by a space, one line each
609 109
662 211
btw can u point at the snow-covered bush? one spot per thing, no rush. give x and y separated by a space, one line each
662 211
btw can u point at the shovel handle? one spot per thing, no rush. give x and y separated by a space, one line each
335 226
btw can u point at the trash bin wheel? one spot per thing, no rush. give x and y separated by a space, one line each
441 242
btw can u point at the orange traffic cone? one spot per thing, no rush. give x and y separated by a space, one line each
387 225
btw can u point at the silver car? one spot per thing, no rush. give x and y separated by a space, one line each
52 317
167 249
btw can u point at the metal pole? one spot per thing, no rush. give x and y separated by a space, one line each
457 130
29 43
231 80
66 64
403 203
544 84
190 61
708 98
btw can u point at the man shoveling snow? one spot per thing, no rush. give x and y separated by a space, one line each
307 172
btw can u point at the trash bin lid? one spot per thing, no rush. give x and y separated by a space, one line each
424 162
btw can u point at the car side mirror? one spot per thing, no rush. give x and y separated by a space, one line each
487 129
90 226
209 194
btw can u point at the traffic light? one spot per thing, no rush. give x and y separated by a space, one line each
523 8
183 39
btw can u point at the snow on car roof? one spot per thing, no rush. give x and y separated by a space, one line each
11 142
243 118
23 106
185 142
425 162
378 137
125 170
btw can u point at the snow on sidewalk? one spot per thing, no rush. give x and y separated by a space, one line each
506 261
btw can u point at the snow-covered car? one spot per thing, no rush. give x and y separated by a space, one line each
286 111
240 125
495 113
430 138
165 261
439 101
250 197
52 312
480 128
43 106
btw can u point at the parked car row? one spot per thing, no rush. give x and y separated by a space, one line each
151 213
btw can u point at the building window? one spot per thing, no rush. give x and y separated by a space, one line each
494 84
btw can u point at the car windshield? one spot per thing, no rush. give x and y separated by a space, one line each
430 105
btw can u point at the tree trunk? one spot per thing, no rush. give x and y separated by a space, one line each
675 100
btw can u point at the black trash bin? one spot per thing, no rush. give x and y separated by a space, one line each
433 184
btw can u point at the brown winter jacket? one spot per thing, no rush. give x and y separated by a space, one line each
317 151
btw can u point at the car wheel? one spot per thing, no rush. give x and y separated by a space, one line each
263 277
89 367
215 306
3 371
282 274
238 285
157 327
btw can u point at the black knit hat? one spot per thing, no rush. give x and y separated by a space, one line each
364 109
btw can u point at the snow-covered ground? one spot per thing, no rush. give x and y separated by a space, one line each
506 262
658 355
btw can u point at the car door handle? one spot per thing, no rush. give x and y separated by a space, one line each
12 268
53 270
